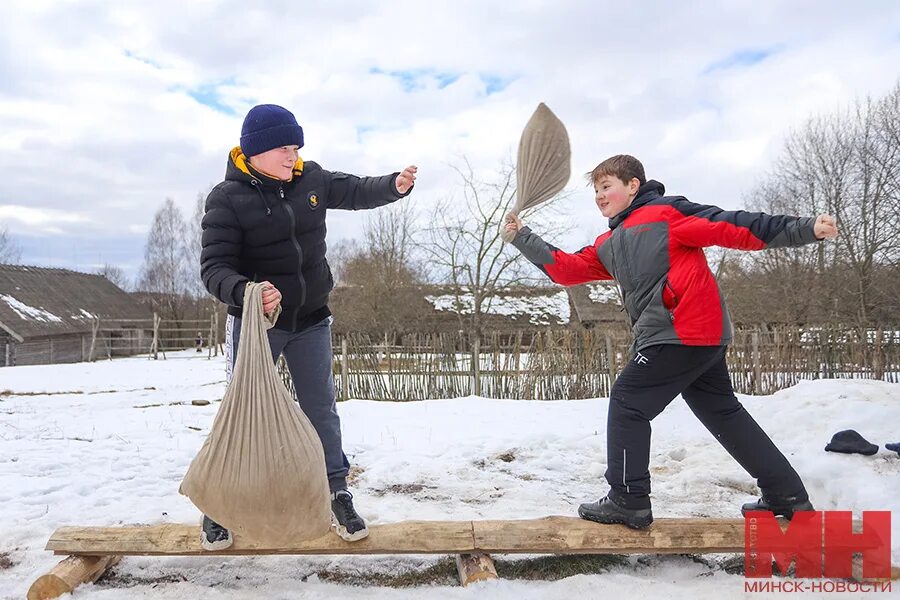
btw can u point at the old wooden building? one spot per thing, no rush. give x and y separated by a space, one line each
53 316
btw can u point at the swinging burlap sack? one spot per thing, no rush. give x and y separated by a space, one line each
543 165
261 471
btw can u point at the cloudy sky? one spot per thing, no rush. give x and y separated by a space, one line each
108 108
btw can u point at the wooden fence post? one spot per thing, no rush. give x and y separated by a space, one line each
877 360
611 362
95 327
345 369
216 332
476 365
154 345
209 339
757 369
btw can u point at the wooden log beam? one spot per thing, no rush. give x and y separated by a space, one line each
475 567
551 535
407 537
69 574
570 535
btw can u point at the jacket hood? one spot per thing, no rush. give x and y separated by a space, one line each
646 193
239 169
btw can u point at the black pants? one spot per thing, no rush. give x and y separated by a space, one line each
648 384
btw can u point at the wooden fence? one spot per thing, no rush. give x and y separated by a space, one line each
549 365
115 338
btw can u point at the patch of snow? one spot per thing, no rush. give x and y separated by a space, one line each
29 313
604 293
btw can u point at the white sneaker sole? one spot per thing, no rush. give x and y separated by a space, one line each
345 535
215 546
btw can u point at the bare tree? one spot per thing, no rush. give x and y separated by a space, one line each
165 272
10 252
464 247
116 275
194 246
379 276
847 165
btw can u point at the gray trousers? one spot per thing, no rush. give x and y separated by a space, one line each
308 355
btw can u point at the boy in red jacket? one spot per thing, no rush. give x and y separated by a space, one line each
654 250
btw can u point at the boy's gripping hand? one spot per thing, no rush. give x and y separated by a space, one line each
825 227
511 226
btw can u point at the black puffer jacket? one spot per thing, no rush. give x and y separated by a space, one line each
257 228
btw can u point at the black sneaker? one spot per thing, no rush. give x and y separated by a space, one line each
348 524
608 512
785 507
214 537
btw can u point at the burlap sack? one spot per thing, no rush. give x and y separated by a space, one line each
543 165
261 471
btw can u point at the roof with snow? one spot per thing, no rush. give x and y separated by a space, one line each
542 306
37 302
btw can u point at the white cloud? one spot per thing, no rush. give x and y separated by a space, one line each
40 217
100 117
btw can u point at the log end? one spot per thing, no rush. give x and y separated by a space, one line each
48 586
475 567
69 574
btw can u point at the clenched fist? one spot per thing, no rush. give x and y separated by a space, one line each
825 227
271 297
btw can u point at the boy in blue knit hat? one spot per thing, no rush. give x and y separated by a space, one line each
266 222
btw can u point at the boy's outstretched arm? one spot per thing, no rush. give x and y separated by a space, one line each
561 267
701 225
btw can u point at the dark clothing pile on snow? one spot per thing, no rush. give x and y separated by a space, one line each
850 442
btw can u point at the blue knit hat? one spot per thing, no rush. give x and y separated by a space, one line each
269 126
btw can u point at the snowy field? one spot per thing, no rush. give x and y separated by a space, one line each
108 443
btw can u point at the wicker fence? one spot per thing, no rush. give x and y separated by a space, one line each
550 365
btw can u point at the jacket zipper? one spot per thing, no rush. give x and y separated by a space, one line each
627 270
290 211
671 313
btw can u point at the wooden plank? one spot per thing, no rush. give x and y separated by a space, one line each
571 535
408 537
550 535
69 574
475 567
568 535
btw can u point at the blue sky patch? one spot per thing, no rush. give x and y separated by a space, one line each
742 58
412 80
495 83
143 59
208 95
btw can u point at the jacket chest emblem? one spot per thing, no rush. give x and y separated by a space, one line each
312 199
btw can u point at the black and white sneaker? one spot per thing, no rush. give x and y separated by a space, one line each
214 537
344 518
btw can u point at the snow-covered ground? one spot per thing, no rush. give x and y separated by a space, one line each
108 443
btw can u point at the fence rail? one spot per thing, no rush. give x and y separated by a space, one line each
550 365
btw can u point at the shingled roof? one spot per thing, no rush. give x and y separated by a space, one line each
37 302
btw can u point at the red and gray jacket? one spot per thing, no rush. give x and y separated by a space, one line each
654 250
